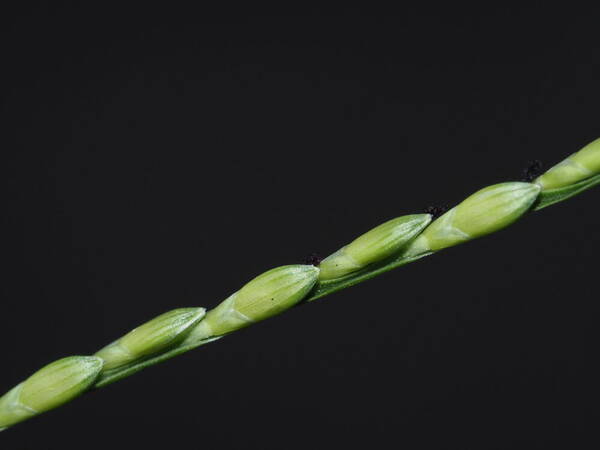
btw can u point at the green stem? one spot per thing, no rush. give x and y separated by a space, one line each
329 287
110 376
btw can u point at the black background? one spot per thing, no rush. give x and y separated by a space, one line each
162 157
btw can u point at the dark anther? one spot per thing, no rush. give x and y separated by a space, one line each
436 211
533 170
313 259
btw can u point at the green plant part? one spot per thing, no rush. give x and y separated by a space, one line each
486 211
152 337
266 295
579 166
386 247
377 244
51 386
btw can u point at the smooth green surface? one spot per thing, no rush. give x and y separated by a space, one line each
376 245
494 208
486 211
53 385
152 337
268 294
275 291
60 382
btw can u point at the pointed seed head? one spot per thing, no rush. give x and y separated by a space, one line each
266 295
151 337
51 386
484 212
377 244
